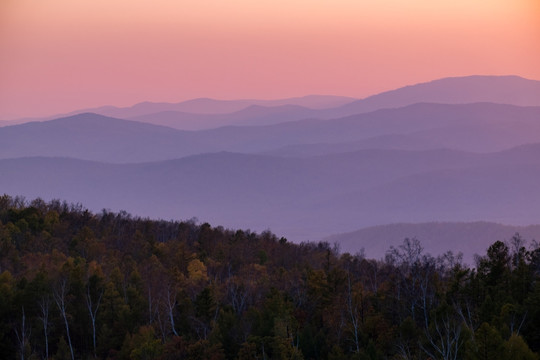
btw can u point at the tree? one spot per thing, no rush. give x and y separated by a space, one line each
445 338
515 348
495 266
7 293
94 293
488 344
23 335
60 297
44 306
145 345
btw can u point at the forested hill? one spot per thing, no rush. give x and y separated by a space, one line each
78 285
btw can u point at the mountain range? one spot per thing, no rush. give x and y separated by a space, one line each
458 150
481 127
204 113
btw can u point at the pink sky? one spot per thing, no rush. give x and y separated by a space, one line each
61 55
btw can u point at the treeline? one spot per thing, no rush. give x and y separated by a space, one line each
78 285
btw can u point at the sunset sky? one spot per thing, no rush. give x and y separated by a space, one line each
61 55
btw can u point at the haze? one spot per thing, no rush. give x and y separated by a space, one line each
62 55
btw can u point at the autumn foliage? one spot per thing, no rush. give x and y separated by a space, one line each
78 285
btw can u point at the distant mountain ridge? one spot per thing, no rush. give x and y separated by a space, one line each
300 198
197 114
479 127
251 115
467 237
200 108
511 89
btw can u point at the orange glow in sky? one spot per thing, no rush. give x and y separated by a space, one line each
61 55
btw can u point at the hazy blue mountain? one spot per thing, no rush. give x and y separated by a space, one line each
436 237
480 127
454 90
495 126
252 115
300 198
93 137
507 193
190 109
387 142
214 106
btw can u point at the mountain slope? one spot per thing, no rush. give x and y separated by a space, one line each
512 90
387 142
455 90
214 106
251 116
201 106
93 137
451 120
475 127
301 198
467 237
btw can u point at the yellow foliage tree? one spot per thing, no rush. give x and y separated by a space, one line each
197 270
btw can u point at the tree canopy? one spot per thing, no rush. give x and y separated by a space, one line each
79 285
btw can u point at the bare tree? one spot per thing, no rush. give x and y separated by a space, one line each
170 298
44 305
414 289
22 336
237 293
60 294
444 336
93 307
353 313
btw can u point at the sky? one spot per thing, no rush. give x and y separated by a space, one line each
61 55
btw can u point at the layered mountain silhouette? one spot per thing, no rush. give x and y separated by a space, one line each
479 127
468 238
252 115
456 90
204 113
301 198
457 150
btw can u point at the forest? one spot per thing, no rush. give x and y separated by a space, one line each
81 285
